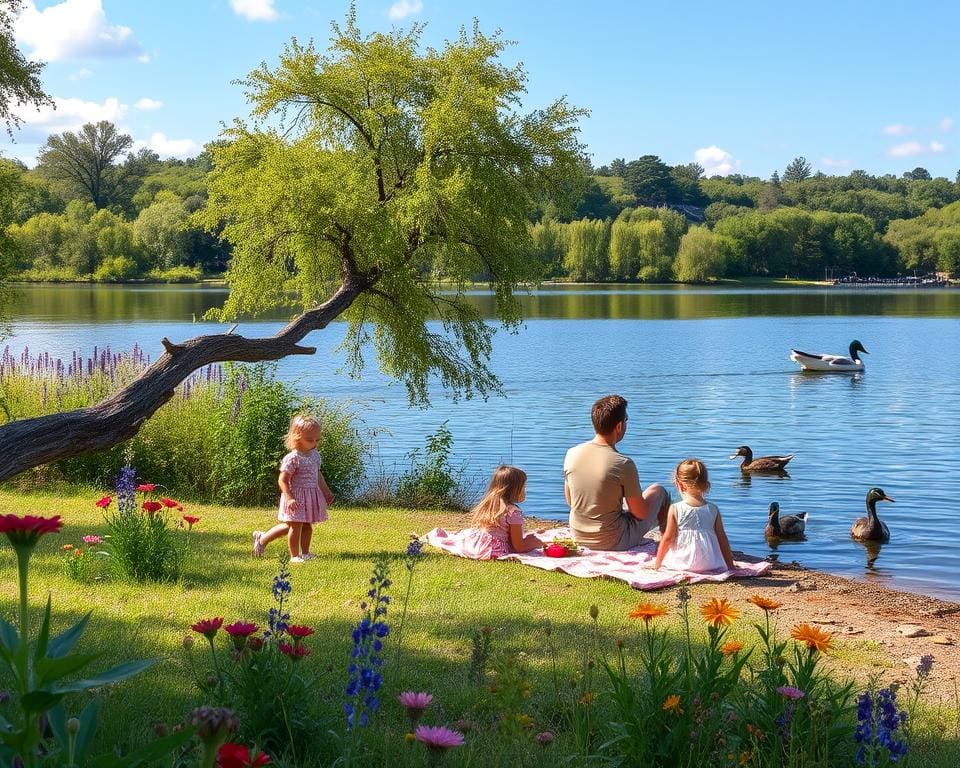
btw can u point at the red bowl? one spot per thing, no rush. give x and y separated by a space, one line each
556 550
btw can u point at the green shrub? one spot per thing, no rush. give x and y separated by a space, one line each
431 481
180 274
116 270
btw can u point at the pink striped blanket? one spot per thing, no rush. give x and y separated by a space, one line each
630 566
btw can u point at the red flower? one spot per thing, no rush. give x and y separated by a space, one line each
27 530
104 502
232 755
190 520
295 652
208 627
152 506
256 643
299 631
168 503
146 487
240 629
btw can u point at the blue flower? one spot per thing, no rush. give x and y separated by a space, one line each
363 672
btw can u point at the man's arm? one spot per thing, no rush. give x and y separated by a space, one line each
566 492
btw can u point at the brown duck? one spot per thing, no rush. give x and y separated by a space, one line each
762 464
786 527
871 527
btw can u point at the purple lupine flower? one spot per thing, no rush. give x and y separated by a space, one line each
366 657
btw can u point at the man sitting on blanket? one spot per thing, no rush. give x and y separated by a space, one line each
597 481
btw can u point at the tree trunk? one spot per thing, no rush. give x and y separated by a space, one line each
31 442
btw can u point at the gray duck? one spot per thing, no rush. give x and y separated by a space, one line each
871 527
761 464
786 527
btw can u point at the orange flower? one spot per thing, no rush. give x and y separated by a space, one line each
647 611
672 704
587 698
719 612
765 603
728 649
815 638
67 547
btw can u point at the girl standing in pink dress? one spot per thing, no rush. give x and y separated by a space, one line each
304 493
496 523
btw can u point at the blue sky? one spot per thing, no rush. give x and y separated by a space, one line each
742 86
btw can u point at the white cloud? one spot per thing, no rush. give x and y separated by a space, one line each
159 143
403 8
146 104
716 161
946 124
255 10
69 115
80 74
911 148
829 162
897 129
72 29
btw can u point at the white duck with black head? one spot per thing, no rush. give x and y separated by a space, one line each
826 363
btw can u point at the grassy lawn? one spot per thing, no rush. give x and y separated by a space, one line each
451 600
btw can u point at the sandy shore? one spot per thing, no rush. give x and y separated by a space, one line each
880 632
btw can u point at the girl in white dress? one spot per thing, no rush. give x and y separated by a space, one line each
694 539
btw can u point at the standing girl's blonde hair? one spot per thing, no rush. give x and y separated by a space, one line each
506 487
299 425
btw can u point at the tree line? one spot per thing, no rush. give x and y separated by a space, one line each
93 208
644 220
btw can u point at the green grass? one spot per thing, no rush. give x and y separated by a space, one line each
451 599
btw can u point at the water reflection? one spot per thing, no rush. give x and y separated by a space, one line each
872 551
746 478
106 303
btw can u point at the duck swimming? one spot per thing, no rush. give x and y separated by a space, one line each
786 527
837 363
871 527
762 464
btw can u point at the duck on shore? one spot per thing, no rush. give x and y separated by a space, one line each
816 362
786 527
761 464
871 527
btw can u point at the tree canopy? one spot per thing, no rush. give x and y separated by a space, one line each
387 161
19 79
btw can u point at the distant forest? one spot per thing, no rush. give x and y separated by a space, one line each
93 209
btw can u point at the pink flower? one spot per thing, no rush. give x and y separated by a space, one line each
414 704
240 629
208 627
790 692
232 755
146 487
545 737
104 501
438 739
92 539
26 531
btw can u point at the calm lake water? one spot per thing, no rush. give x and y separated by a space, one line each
705 370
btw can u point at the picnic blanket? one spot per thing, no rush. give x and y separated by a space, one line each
625 566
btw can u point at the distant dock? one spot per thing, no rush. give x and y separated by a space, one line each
903 281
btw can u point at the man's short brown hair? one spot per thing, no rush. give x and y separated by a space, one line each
607 412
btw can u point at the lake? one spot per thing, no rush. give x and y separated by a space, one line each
705 370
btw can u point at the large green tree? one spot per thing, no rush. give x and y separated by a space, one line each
362 163
88 163
798 169
649 179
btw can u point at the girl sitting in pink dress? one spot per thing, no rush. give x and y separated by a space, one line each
694 539
304 493
496 523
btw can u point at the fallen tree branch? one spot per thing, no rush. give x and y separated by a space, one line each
31 442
